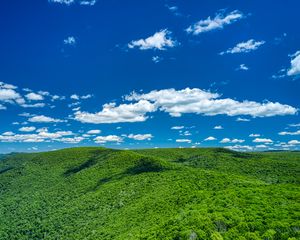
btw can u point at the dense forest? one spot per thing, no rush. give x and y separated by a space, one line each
99 193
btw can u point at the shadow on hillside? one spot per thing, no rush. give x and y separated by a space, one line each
4 170
144 165
92 160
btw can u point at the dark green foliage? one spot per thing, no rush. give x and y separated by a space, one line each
98 193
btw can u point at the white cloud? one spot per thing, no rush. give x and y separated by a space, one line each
179 102
239 119
72 140
294 142
35 105
41 136
177 127
77 97
240 148
10 95
225 140
206 103
183 140
261 146
67 2
244 47
70 2
210 139
56 97
95 131
235 140
133 112
160 40
262 140
74 97
70 41
254 135
27 129
289 133
295 65
88 2
34 96
294 125
243 67
43 119
7 95
140 137
157 59
174 10
86 96
2 107
7 86
109 138
185 133
219 127
218 22
8 133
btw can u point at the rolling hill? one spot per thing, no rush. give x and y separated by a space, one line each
99 193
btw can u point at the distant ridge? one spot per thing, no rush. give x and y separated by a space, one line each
101 193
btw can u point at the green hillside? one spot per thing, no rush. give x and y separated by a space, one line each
98 193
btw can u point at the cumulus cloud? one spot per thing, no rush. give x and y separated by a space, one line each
27 129
70 2
295 65
243 67
240 147
41 136
254 135
244 47
294 142
219 127
9 133
44 119
9 94
289 133
185 133
178 102
177 127
183 140
2 107
111 113
235 140
294 125
157 59
88 2
160 40
174 9
218 22
239 119
34 96
140 137
262 140
67 2
7 86
94 131
78 97
261 146
109 138
210 139
71 41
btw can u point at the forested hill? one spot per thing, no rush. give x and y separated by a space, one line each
99 193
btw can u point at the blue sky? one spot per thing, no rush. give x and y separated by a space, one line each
145 74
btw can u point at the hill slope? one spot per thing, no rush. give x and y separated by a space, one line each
98 193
